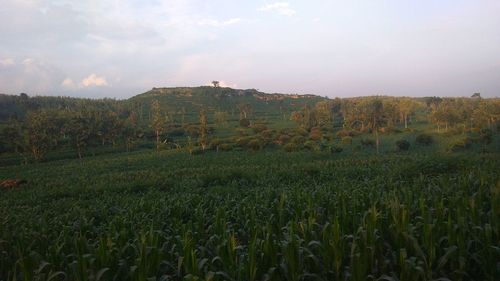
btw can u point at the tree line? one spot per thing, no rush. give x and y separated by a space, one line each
80 124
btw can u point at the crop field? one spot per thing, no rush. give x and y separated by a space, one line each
253 216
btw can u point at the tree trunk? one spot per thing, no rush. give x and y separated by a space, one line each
157 140
406 121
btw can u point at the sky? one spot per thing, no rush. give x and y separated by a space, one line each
120 48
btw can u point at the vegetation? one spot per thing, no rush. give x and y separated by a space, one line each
213 183
171 216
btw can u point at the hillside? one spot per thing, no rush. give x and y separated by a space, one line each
190 100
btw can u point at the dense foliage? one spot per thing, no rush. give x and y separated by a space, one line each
189 118
267 216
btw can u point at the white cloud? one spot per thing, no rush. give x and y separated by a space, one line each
94 80
90 81
282 8
216 23
7 62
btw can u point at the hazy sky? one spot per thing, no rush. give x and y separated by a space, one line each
119 48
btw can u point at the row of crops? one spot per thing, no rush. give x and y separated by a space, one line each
263 216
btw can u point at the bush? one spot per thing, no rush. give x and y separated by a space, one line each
485 136
243 141
298 140
461 144
316 134
267 133
291 147
193 131
255 144
301 131
368 142
215 143
282 139
312 146
403 145
344 133
245 123
197 151
257 128
424 139
335 149
347 140
226 147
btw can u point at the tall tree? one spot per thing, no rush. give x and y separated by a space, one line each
157 122
203 134
375 115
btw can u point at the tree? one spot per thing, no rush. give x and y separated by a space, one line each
220 117
39 133
323 113
216 84
203 135
245 110
81 128
158 122
407 107
130 131
375 115
12 138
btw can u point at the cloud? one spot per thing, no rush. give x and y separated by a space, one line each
94 80
282 8
90 81
216 23
7 62
31 75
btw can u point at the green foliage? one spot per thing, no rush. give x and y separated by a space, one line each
368 142
335 149
245 123
346 140
312 145
424 139
461 144
253 216
403 145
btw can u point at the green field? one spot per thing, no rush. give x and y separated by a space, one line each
267 215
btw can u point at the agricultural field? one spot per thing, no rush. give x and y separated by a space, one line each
267 215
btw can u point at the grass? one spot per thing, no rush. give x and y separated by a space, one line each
267 216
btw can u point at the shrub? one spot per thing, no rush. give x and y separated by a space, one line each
485 136
334 149
245 123
344 133
193 131
298 140
243 141
312 146
215 143
316 134
347 140
403 145
255 144
291 147
282 139
267 133
176 132
196 151
301 131
368 142
226 147
461 144
257 128
424 139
